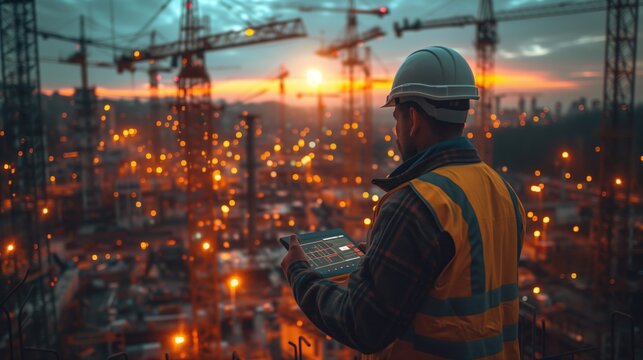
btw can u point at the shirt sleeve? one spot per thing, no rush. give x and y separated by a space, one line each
407 252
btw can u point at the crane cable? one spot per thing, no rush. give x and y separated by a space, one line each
151 20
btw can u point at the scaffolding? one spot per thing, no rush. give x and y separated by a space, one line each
23 189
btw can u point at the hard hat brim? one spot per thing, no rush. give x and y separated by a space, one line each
435 92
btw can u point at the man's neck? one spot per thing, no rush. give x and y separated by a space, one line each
432 140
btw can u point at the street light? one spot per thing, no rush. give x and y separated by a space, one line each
179 339
538 190
565 174
234 283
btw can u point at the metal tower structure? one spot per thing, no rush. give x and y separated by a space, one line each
195 113
24 207
611 226
251 187
349 45
197 136
283 74
486 41
87 132
155 105
86 125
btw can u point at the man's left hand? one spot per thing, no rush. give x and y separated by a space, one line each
295 253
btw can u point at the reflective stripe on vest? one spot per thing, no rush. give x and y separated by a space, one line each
472 309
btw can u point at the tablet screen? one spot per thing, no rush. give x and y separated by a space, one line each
331 252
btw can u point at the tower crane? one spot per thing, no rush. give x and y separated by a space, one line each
349 45
486 41
381 11
197 135
87 128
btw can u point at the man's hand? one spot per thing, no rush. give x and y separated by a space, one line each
295 253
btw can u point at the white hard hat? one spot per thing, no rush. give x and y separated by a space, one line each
431 77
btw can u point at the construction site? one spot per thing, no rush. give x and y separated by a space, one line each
152 153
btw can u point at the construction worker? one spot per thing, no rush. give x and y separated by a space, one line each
439 277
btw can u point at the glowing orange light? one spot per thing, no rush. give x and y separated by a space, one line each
234 282
367 221
249 32
205 245
565 155
573 275
546 220
537 233
300 323
536 290
11 247
576 228
618 181
179 339
535 188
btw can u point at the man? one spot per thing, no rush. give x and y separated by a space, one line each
439 278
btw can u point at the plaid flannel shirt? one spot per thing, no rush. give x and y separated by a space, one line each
406 251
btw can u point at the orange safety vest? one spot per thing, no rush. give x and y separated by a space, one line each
472 309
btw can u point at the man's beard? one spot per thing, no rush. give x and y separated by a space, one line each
407 153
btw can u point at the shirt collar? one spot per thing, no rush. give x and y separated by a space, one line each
458 150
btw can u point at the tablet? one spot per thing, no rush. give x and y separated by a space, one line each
332 253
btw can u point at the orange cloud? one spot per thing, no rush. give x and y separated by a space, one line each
512 80
260 89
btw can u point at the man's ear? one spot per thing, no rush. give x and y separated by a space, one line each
416 121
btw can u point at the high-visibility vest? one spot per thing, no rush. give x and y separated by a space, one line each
472 309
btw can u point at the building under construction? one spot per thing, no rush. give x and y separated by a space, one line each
141 220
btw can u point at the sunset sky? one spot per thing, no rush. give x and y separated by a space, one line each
559 58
